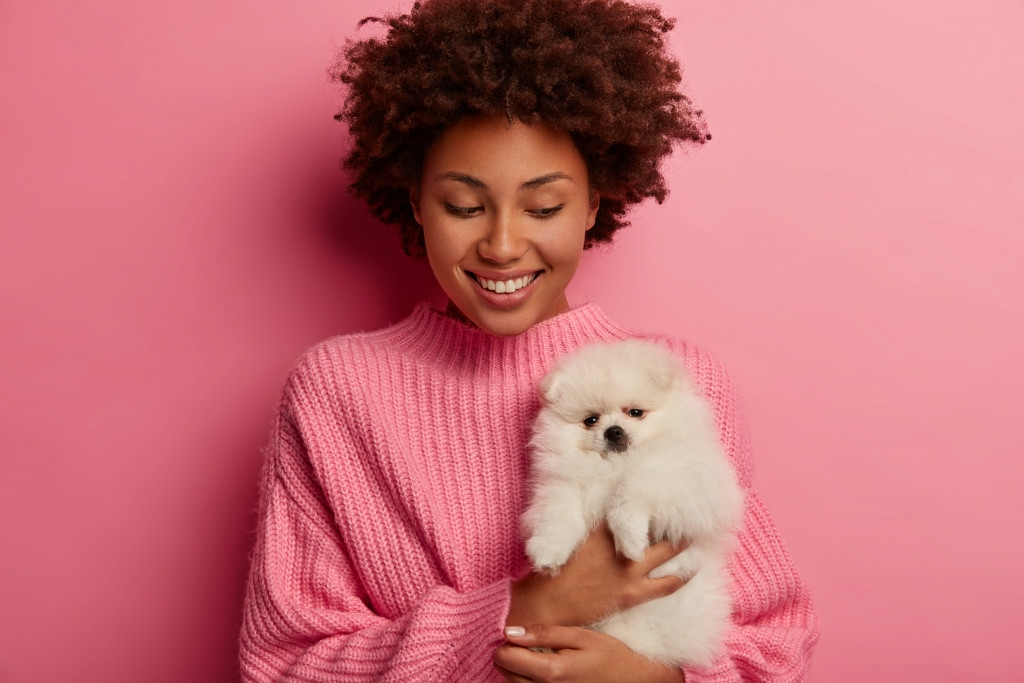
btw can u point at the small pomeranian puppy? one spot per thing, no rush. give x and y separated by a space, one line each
622 436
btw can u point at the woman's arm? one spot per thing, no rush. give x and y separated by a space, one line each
774 626
307 617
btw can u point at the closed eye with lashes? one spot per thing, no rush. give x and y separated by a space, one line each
545 213
463 211
470 211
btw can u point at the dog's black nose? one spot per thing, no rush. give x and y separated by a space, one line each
614 433
617 438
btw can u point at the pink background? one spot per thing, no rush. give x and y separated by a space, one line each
174 234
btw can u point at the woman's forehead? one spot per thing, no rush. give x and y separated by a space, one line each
482 151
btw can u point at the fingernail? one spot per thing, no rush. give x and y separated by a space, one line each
515 631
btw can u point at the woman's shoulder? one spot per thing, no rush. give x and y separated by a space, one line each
356 355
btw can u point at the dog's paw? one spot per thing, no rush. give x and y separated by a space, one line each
668 527
632 548
672 568
629 527
684 565
664 570
548 553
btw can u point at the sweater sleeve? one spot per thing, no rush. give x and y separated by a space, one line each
774 626
307 618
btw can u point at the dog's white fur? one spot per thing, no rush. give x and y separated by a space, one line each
670 480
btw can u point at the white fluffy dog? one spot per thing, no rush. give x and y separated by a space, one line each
622 436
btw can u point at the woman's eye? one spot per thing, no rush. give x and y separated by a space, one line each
544 213
636 412
462 211
591 421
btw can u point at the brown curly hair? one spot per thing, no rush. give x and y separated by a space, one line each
596 69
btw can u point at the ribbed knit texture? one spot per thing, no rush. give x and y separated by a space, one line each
390 501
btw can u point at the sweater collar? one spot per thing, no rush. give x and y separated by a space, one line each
432 333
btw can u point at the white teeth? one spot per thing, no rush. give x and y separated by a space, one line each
506 286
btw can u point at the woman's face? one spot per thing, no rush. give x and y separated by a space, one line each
504 209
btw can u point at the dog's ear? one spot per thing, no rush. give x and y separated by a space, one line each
548 387
667 374
662 378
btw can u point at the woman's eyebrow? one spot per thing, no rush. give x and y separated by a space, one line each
462 178
531 184
544 180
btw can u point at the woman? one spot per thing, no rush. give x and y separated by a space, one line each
503 138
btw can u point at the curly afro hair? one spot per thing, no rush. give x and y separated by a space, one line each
596 69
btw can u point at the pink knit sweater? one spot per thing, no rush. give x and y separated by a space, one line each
390 501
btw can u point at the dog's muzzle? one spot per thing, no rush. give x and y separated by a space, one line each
616 438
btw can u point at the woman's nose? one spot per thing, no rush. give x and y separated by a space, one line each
504 240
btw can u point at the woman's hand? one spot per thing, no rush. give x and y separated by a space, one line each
579 655
593 584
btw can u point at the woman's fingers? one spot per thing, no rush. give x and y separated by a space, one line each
661 552
664 585
579 655
508 675
522 664
548 636
647 588
517 662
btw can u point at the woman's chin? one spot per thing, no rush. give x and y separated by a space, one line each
507 314
506 321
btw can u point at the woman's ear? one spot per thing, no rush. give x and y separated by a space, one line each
414 200
595 204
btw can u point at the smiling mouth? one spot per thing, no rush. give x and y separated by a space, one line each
504 286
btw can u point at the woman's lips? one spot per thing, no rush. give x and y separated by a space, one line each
505 285
505 290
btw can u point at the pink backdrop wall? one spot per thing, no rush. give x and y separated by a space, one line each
173 234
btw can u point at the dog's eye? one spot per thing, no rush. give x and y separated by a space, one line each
591 421
636 412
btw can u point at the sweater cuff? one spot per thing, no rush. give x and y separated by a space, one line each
482 611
